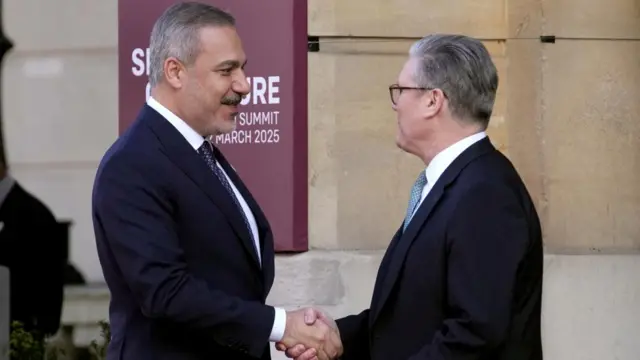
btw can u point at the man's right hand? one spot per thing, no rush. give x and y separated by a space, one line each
306 339
302 350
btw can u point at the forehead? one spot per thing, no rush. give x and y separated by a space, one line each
221 44
406 76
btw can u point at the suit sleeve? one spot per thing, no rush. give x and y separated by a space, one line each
354 334
487 239
135 213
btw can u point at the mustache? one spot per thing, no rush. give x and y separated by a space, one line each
233 100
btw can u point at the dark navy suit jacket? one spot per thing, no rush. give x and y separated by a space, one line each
464 282
183 273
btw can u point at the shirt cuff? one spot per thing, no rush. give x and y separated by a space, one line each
279 325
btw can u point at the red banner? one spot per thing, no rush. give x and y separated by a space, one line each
269 146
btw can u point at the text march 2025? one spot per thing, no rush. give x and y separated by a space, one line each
252 127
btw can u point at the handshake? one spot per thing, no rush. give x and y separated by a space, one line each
307 339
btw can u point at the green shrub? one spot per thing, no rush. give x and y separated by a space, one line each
25 345
99 350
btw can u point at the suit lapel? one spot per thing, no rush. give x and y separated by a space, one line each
190 162
398 253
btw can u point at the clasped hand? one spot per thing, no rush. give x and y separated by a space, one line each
306 339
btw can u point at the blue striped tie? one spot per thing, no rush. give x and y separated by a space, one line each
414 197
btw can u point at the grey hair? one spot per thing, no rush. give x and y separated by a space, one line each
463 69
176 33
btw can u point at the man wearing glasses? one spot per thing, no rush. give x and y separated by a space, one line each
462 277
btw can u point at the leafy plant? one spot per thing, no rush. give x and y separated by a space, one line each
99 350
23 345
26 345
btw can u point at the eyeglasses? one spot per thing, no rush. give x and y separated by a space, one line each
396 90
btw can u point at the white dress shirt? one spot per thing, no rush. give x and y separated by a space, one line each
196 140
441 162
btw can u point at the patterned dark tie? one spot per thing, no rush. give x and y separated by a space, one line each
207 154
414 197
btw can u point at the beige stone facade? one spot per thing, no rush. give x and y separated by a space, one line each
567 115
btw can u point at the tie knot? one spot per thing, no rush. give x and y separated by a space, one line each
205 148
206 151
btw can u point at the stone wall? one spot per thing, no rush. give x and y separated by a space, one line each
566 114
60 106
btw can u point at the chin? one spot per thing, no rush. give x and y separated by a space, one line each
405 145
226 129
230 125
400 143
224 126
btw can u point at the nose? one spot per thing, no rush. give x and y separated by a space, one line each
241 85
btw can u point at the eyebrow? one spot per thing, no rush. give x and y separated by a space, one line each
232 64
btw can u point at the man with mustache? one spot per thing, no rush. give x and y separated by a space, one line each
185 249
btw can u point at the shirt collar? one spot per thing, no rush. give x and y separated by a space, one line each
195 140
6 185
440 162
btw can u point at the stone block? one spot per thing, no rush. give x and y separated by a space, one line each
592 19
4 312
590 307
359 180
321 18
524 19
523 113
498 125
591 134
352 131
85 305
323 170
59 107
324 278
43 26
407 18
